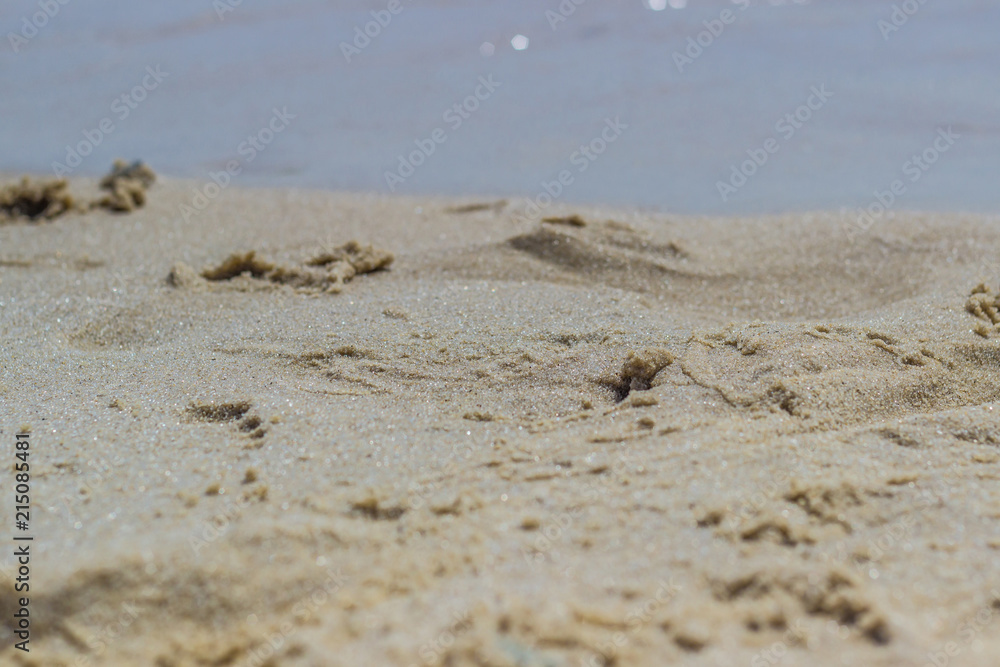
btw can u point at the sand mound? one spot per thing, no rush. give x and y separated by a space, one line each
755 274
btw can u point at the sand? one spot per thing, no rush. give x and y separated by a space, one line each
610 438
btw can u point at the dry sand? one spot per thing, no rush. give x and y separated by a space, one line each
640 440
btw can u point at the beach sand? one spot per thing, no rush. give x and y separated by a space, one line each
618 438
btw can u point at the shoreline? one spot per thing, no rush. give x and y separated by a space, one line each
522 201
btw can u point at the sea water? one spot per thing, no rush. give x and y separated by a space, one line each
689 106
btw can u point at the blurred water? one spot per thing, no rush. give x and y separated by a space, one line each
686 128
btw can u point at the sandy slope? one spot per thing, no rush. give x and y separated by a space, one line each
644 441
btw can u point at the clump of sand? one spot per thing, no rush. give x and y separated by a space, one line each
126 185
638 371
36 200
985 305
327 272
43 200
